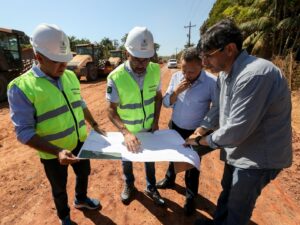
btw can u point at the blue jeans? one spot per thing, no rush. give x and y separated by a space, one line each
241 188
150 174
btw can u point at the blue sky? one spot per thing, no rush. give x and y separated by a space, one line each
95 20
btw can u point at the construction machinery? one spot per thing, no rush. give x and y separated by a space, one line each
116 58
11 64
87 62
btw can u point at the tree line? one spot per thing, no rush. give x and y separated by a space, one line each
270 27
106 44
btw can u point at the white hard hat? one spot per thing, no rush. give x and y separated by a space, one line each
52 42
139 43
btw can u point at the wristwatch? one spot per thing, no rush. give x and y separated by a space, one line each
197 139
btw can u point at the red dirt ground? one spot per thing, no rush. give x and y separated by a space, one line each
26 198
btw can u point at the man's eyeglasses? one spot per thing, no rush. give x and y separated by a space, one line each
208 55
140 61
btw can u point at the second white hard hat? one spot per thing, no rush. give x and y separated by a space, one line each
139 43
52 42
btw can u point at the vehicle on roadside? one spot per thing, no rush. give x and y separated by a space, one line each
172 63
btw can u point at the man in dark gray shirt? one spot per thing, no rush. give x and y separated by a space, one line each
254 132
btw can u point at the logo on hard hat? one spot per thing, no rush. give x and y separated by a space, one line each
144 44
63 47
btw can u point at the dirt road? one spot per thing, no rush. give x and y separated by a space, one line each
26 198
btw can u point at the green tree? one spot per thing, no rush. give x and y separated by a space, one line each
123 40
270 27
75 41
277 20
156 47
216 14
289 27
106 45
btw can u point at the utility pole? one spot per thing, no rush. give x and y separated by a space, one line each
189 34
176 54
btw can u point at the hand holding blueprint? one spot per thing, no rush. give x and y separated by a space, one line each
162 145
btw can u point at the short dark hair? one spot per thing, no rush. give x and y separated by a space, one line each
190 54
220 35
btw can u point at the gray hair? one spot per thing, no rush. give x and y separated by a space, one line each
190 54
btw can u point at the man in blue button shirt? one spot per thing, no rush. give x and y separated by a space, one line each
52 52
255 122
190 94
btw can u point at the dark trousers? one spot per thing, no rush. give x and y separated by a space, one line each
57 175
191 175
150 174
241 188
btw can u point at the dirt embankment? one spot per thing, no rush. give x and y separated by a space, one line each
26 198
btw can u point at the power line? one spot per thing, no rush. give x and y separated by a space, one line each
195 10
189 34
189 12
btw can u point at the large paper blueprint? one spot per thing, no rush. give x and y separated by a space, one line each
162 145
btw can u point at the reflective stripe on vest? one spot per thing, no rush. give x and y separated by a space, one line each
54 120
136 110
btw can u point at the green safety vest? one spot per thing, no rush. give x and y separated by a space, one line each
54 120
136 108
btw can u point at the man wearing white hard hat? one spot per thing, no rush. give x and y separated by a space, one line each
134 96
49 115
